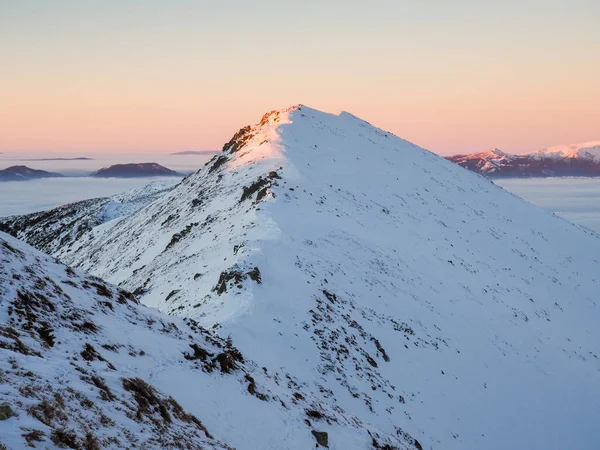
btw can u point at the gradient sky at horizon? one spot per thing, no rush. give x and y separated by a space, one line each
158 76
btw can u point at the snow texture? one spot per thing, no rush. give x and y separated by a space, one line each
411 303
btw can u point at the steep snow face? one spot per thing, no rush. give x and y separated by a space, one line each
83 365
77 224
392 284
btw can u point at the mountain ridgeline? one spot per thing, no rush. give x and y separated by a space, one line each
372 295
579 160
59 229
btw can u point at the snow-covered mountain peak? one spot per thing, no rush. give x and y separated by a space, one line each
402 293
492 152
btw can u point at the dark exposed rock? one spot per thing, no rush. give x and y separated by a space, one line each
219 161
314 414
237 276
47 335
199 353
178 236
238 140
6 412
254 275
171 294
147 399
259 184
322 438
252 388
65 439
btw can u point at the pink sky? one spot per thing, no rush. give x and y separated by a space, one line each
151 79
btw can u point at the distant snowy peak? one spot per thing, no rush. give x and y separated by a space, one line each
495 153
588 151
135 170
564 160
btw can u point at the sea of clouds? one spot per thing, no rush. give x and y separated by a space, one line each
575 199
22 197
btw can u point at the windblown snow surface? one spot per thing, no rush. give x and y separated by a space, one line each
406 297
84 366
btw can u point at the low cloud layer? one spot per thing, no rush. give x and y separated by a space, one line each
575 199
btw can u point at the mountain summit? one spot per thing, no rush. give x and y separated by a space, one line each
408 302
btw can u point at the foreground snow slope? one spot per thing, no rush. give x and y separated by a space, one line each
393 285
84 366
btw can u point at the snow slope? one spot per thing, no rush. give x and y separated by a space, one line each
389 283
57 230
84 366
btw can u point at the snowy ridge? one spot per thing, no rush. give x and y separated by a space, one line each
587 150
406 297
57 230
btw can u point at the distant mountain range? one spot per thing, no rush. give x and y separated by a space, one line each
196 152
22 173
135 170
581 160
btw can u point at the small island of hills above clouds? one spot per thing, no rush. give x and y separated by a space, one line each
135 170
22 173
132 170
